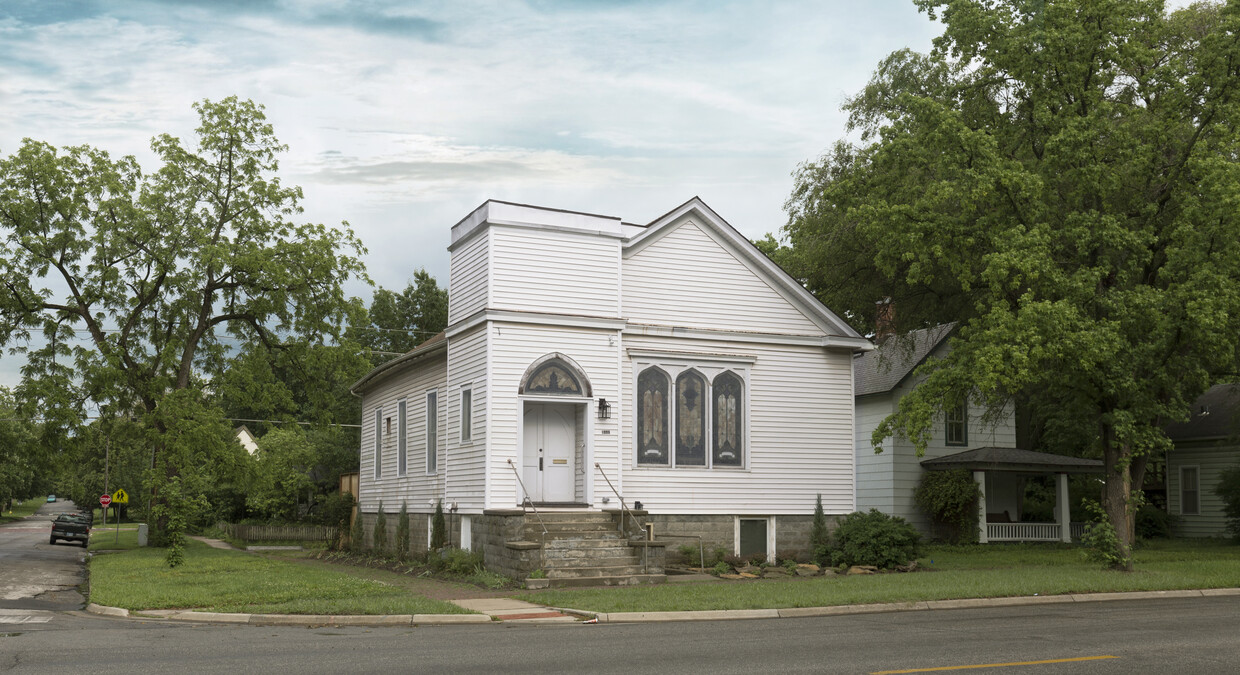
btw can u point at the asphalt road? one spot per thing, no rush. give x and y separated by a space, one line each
1197 635
35 574
41 632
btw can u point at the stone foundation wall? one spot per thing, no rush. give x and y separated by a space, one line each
719 531
419 530
491 533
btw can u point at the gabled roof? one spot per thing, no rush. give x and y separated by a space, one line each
1013 459
1214 416
886 367
433 345
744 249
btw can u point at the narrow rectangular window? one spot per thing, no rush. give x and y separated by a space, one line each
957 428
378 443
1190 494
432 432
467 414
401 461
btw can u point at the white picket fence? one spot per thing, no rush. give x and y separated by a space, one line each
1030 531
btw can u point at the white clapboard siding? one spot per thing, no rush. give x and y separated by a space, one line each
514 348
467 278
687 278
1210 460
554 271
800 440
416 487
466 461
874 471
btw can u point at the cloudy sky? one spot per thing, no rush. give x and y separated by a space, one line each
402 117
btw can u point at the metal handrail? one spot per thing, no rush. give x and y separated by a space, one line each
623 510
527 499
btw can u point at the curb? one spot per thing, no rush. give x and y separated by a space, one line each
844 610
659 617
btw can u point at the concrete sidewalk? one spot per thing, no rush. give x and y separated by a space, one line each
505 610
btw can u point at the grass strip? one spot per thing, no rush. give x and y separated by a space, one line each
992 571
221 580
19 511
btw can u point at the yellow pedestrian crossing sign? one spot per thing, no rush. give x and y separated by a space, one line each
120 497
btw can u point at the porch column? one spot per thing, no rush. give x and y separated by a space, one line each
980 477
1065 517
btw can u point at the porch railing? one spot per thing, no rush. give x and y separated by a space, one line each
526 501
1030 531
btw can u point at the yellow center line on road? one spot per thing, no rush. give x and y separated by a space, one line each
992 665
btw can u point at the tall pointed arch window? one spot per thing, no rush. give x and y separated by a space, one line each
652 422
691 419
728 399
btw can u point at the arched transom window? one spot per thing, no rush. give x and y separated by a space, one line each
706 415
554 376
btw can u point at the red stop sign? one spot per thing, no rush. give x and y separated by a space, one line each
105 500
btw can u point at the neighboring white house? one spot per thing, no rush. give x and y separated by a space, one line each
246 438
1205 445
587 359
965 437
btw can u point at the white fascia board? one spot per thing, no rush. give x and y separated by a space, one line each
746 252
535 318
827 341
537 217
711 357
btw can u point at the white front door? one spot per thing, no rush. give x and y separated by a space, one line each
550 458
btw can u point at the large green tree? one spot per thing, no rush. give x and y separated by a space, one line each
142 284
1062 177
397 322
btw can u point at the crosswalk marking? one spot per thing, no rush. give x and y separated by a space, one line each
15 616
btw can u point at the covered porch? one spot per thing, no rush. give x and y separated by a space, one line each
1005 470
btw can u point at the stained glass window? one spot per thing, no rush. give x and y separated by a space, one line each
728 397
690 419
652 427
553 377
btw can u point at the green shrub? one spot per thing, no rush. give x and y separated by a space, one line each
357 536
334 511
819 535
1152 522
692 555
1228 489
951 498
456 561
380 533
439 534
538 574
402 533
874 538
1099 538
721 568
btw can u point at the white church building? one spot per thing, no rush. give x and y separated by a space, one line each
659 383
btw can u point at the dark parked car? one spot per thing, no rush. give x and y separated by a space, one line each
71 527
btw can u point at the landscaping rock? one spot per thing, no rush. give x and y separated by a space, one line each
911 567
774 572
731 576
830 573
747 575
862 569
749 569
808 570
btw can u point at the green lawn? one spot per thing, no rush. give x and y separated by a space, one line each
954 572
233 581
26 508
107 539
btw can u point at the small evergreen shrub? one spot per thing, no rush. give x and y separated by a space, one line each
874 538
819 535
380 533
721 568
439 529
1228 489
402 533
357 536
951 498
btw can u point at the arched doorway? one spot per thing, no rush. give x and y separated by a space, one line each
555 397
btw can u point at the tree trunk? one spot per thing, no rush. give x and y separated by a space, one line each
1116 494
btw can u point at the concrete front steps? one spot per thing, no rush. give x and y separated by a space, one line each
587 548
